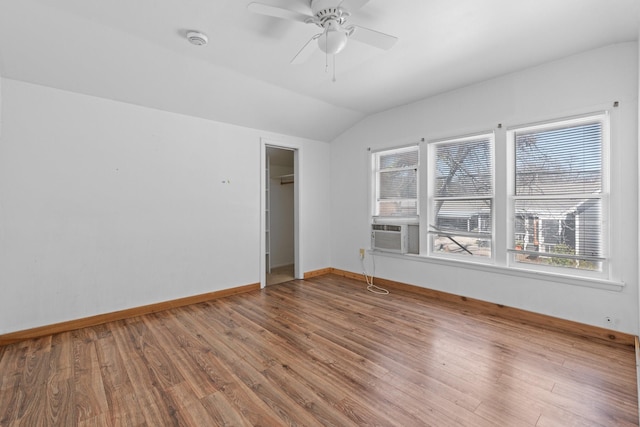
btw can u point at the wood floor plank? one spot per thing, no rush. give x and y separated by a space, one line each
349 378
625 412
323 409
11 367
174 346
293 374
404 376
89 390
207 350
148 380
143 339
245 338
189 405
319 352
33 407
291 337
124 408
223 413
101 420
60 385
252 378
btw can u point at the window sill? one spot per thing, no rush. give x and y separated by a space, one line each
588 282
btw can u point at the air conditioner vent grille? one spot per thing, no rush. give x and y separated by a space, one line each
386 227
389 237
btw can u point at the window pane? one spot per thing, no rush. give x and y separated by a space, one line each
549 259
398 208
560 161
462 173
467 216
462 245
398 184
570 227
464 168
399 159
472 216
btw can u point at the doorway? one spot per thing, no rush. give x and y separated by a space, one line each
280 215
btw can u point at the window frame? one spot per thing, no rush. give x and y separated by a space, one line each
433 199
375 187
604 118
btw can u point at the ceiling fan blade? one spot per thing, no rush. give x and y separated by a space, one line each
278 12
306 51
373 37
351 5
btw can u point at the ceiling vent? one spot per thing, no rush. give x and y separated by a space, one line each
197 38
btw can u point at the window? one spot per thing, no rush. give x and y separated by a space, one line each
462 203
396 183
559 190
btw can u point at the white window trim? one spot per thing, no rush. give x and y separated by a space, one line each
432 199
374 186
558 123
565 279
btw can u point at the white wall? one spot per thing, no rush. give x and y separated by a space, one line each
582 83
106 206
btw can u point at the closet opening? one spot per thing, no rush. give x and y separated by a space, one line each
280 215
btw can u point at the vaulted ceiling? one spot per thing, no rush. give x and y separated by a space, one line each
136 52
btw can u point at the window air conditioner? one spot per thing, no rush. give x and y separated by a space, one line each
390 237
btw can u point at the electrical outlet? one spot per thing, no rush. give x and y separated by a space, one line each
361 253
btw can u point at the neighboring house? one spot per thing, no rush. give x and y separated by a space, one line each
573 228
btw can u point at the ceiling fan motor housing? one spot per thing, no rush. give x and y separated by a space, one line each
327 10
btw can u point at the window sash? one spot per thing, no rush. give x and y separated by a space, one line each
543 225
464 167
464 215
396 182
558 206
462 204
560 160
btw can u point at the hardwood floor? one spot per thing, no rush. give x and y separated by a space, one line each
322 351
280 275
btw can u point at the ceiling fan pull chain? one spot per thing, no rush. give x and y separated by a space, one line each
334 68
326 52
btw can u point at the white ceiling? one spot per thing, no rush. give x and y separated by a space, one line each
135 51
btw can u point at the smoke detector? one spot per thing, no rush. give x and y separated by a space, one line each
197 38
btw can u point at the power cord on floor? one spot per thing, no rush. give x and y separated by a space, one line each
369 279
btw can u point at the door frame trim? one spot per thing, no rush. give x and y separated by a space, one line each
297 235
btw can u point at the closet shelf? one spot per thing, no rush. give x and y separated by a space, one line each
286 179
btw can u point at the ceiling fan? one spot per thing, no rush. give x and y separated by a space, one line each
331 16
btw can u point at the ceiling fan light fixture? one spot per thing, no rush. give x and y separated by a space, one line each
332 41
